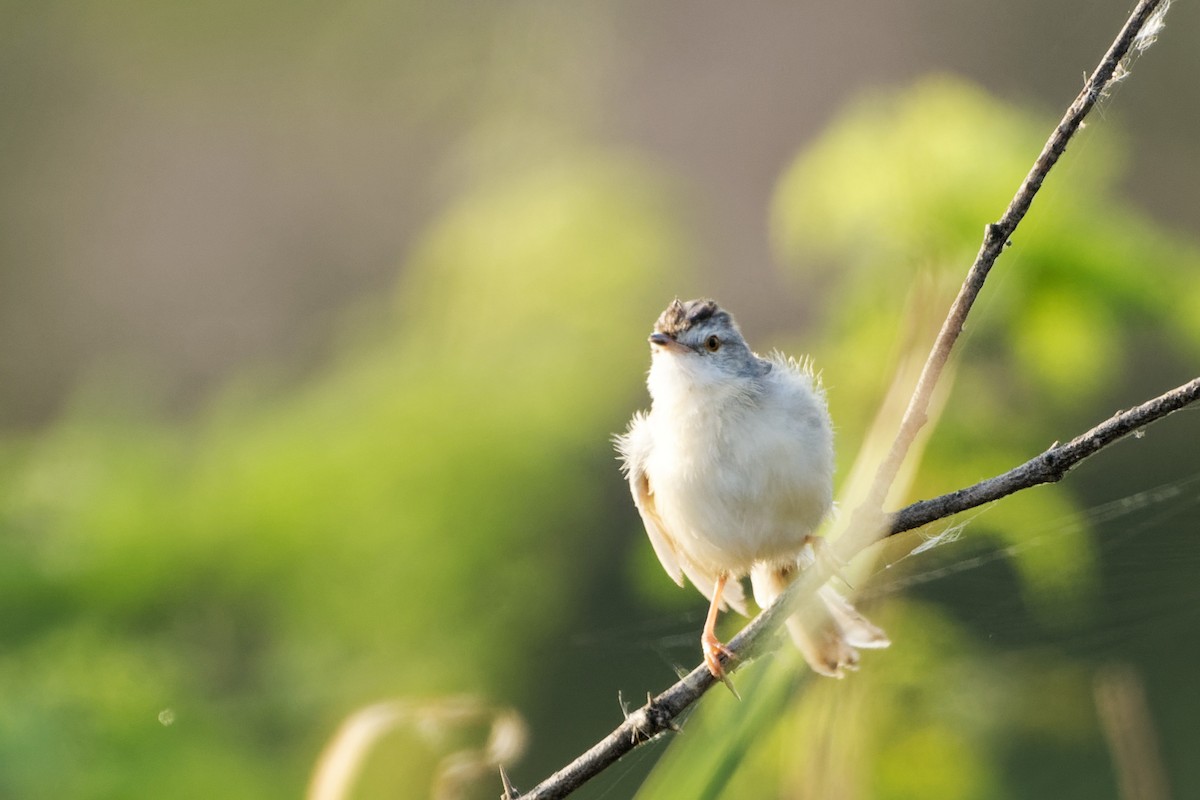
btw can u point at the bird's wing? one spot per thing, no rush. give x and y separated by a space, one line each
664 546
660 540
634 447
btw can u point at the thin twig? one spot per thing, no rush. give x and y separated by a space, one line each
996 237
1048 467
869 522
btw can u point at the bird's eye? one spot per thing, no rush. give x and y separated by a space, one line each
712 344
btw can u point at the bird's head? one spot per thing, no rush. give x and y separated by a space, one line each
696 343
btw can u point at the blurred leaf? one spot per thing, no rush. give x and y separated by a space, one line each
413 518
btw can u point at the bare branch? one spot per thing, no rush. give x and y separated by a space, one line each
1048 467
868 522
995 238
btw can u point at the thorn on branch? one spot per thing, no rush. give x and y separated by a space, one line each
510 791
994 233
643 728
660 718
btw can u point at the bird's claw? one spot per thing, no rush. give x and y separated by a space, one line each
714 651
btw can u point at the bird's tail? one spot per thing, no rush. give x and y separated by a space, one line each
830 646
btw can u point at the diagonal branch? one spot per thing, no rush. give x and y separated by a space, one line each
996 238
1050 466
868 523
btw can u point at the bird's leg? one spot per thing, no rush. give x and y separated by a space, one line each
709 643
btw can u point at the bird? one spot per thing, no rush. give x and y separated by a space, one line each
731 471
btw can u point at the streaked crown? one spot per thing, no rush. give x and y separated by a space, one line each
681 317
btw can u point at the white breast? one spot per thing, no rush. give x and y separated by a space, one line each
745 474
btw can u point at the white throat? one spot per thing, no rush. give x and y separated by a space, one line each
685 387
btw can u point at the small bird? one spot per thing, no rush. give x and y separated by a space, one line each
732 472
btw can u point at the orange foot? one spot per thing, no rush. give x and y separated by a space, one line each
713 651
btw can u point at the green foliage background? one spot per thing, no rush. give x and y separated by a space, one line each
190 603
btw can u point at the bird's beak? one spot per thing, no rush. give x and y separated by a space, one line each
666 342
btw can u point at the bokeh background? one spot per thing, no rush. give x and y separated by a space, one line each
316 320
